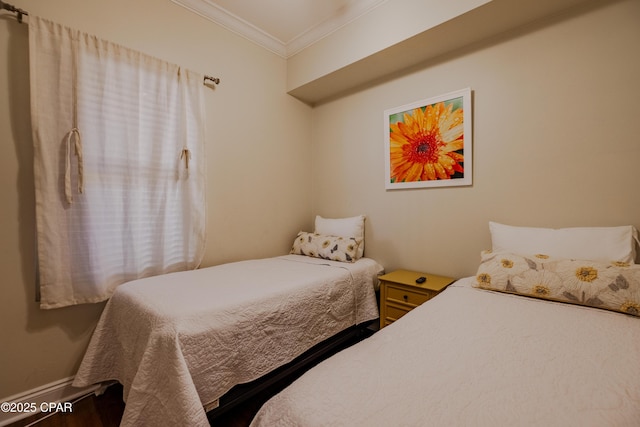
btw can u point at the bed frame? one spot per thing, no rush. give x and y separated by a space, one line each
279 378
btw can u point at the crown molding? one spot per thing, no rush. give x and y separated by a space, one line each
341 18
234 23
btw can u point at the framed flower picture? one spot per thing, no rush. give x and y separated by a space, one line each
428 143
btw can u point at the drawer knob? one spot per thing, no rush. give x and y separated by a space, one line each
406 297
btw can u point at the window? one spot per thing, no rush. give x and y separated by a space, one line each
129 129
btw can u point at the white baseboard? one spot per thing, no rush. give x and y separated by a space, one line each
60 391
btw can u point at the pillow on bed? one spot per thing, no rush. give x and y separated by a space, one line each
345 227
597 243
610 285
335 248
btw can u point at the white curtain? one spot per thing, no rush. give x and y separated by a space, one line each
119 164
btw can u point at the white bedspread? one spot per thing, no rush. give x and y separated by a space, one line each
471 357
180 341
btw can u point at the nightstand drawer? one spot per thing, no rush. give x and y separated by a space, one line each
408 297
394 313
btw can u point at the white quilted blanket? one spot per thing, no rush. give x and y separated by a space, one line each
471 357
180 341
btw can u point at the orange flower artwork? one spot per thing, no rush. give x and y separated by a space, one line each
428 143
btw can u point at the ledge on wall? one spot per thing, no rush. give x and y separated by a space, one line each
488 20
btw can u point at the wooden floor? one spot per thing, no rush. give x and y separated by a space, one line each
106 411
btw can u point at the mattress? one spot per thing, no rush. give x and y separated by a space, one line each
178 342
472 357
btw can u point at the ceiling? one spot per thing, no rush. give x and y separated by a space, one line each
283 26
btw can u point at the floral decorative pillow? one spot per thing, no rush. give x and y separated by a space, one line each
324 246
608 285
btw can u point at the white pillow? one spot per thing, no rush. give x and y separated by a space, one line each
588 243
343 227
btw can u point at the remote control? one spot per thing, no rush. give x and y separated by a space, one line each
421 279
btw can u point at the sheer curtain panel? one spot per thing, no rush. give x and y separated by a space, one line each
118 161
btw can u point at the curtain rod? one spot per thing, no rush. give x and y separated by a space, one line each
12 8
21 13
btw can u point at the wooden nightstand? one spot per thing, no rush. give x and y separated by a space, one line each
399 293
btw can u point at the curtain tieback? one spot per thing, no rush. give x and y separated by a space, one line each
67 173
186 155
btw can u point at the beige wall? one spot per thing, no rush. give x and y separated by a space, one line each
556 141
258 155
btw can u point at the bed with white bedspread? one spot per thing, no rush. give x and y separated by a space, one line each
532 340
178 342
